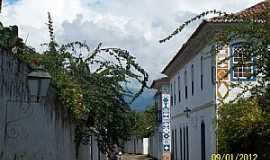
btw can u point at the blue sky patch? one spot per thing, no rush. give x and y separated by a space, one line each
11 1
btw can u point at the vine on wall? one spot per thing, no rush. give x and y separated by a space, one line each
91 83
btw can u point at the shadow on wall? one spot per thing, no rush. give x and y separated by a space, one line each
33 131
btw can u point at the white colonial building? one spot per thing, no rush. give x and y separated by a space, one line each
160 140
193 100
198 82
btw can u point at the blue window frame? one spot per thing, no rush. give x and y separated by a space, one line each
186 87
202 69
213 75
171 95
242 63
174 92
179 89
192 79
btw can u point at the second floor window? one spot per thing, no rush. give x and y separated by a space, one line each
192 79
186 87
213 75
213 71
171 95
179 89
202 68
242 63
174 92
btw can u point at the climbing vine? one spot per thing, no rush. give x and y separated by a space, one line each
92 84
250 26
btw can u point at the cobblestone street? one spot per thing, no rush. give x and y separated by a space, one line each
135 157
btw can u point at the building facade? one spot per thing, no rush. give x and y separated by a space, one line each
193 108
199 80
160 141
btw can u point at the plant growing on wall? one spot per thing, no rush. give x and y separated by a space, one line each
92 84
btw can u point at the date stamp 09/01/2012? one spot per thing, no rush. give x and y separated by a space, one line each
240 156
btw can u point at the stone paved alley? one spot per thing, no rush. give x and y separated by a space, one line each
135 157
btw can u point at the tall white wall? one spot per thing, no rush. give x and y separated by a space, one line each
201 103
155 146
33 131
136 145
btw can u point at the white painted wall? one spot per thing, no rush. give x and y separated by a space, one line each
145 146
34 130
136 145
194 129
155 144
201 103
200 96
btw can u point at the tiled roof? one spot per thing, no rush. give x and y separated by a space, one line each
257 9
253 11
158 82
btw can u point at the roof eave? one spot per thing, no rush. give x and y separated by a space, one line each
157 83
203 23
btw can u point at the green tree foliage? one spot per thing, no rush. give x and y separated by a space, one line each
244 127
9 37
92 84
144 122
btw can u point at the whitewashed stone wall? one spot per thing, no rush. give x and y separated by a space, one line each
202 104
33 131
155 145
136 145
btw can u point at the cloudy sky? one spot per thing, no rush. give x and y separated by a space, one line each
135 25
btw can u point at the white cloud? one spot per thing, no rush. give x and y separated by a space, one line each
136 25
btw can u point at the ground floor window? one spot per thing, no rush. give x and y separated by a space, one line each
183 143
175 133
187 143
184 139
203 141
173 147
180 142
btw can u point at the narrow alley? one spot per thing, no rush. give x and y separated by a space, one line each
135 157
